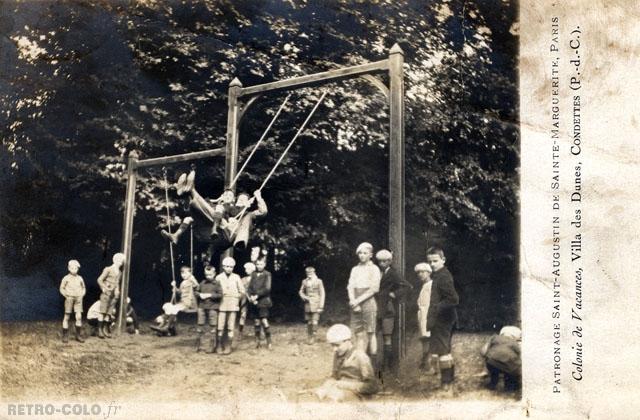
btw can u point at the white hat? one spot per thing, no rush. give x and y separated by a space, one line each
384 254
512 332
422 267
249 266
74 263
338 333
118 257
229 261
363 246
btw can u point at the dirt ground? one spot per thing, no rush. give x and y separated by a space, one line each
35 363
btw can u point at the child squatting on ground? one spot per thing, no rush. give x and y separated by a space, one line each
73 289
109 282
502 356
232 289
442 315
259 294
364 283
209 294
312 293
352 377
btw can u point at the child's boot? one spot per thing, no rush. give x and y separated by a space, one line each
173 237
65 335
267 334
309 333
387 357
447 372
199 341
181 183
228 346
79 334
106 328
257 331
100 332
213 344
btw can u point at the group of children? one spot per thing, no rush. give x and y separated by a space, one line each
102 313
219 301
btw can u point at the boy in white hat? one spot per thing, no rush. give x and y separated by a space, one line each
364 284
393 289
423 271
352 377
73 289
109 282
232 290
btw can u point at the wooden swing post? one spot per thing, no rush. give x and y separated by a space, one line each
127 237
394 94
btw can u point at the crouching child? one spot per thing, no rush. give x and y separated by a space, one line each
352 377
502 356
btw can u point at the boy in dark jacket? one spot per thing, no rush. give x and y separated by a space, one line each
209 294
259 294
502 355
392 292
442 314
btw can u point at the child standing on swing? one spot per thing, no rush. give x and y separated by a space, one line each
232 289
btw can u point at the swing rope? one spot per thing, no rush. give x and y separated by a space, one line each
302 127
173 268
244 165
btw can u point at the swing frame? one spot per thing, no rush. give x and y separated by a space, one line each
237 108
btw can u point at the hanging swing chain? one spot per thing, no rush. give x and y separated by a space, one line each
244 165
166 197
302 127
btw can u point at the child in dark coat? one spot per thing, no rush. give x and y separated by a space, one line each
442 314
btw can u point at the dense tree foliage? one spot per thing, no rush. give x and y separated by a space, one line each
84 82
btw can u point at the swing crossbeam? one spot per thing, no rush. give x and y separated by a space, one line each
185 157
312 79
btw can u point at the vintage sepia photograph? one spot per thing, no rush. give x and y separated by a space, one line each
217 202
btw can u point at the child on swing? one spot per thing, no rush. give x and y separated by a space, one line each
73 289
187 289
223 213
312 293
109 282
232 289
